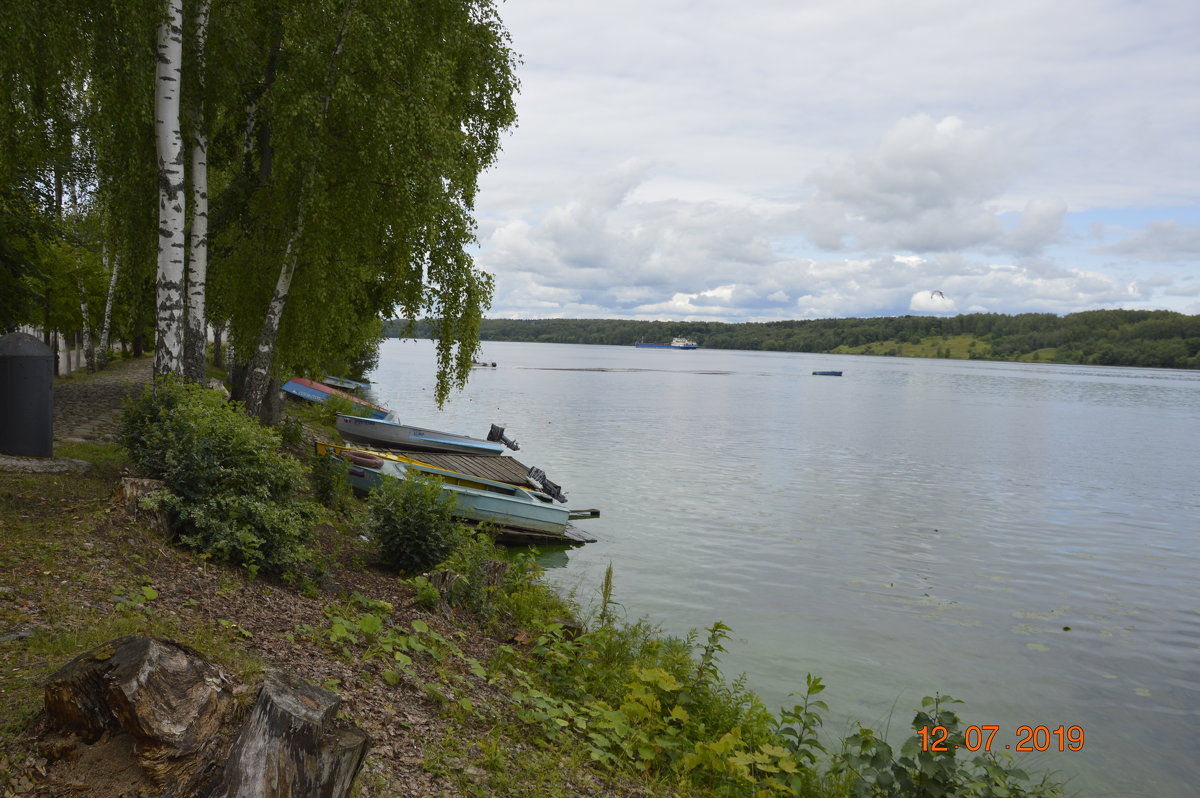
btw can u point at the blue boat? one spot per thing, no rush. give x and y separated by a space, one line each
319 392
827 373
390 434
478 499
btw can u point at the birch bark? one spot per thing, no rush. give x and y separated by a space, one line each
89 353
168 349
258 375
196 339
106 324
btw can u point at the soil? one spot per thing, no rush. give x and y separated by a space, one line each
91 576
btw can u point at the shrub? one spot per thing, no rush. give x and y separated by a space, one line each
329 483
412 521
230 491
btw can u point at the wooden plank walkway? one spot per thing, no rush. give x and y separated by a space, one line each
500 469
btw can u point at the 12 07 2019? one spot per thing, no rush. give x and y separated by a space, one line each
983 738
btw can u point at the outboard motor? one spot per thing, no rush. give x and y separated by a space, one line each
538 477
496 435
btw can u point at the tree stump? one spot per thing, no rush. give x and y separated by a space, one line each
292 745
170 700
179 711
128 495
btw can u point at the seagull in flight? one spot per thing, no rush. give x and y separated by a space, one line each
932 294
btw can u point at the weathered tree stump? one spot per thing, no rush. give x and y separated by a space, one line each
179 711
128 494
292 745
169 699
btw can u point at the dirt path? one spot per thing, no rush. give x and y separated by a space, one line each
88 406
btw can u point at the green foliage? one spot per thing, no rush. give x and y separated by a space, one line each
329 409
230 492
412 521
917 773
798 725
329 483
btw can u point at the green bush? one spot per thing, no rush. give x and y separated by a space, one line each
412 521
329 483
230 492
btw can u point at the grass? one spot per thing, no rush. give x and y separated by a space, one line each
71 575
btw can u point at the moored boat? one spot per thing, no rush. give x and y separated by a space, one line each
319 392
391 434
480 500
676 343
345 384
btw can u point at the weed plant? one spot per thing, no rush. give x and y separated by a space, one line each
412 521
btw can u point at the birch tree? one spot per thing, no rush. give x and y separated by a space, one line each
371 135
168 350
196 338
106 324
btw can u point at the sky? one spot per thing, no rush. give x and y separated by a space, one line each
792 159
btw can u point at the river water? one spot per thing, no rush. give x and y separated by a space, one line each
1024 537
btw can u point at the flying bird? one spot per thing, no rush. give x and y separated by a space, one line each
932 294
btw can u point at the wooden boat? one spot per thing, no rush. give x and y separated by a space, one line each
479 500
345 384
827 373
391 434
494 469
319 392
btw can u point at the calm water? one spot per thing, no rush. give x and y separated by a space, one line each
1024 537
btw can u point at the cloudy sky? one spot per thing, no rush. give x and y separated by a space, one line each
788 159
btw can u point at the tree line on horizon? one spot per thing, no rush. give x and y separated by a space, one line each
1147 338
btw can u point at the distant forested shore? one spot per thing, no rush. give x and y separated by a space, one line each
1149 338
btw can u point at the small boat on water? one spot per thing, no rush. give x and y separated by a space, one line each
319 392
391 434
480 500
495 469
827 373
676 343
345 384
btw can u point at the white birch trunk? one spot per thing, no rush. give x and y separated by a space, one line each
168 348
197 328
258 374
89 353
106 325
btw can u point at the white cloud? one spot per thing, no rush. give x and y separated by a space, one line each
1159 241
779 160
933 301
1040 225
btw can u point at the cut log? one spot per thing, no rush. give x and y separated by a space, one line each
292 745
178 711
168 698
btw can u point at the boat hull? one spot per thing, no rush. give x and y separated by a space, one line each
481 501
345 384
393 435
319 392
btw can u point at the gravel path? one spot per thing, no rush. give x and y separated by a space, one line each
88 407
